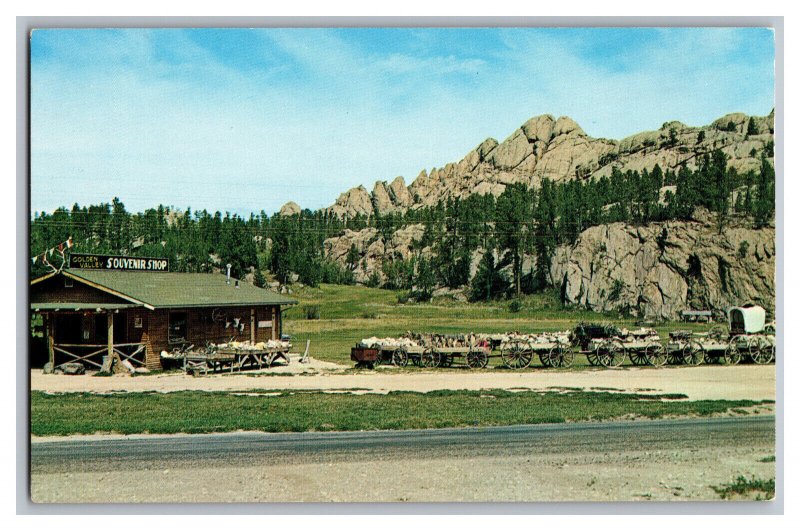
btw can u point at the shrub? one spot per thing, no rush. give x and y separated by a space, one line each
311 312
515 306
369 315
769 148
334 273
743 248
403 298
374 280
616 290
701 136
259 280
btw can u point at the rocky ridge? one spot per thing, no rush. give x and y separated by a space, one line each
559 149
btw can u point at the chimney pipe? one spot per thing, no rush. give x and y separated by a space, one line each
228 277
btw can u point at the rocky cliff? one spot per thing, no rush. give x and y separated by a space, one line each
558 149
661 269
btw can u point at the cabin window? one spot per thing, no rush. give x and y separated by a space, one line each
177 327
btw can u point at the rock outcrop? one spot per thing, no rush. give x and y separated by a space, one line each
558 149
352 203
373 249
659 270
290 209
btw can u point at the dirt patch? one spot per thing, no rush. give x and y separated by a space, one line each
628 475
755 382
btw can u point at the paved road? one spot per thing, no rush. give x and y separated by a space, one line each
241 449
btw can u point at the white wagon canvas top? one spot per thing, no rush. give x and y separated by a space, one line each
747 319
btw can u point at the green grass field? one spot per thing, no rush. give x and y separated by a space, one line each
297 411
351 313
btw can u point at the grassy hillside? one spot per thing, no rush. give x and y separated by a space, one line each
348 314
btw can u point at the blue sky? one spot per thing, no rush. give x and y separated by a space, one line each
243 120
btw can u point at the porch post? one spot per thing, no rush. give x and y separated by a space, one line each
49 326
253 326
110 335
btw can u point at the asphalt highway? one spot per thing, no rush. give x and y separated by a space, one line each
241 449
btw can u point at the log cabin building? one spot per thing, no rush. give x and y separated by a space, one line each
90 313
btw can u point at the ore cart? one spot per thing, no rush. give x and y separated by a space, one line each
449 350
517 351
714 346
685 348
608 346
365 356
399 355
378 354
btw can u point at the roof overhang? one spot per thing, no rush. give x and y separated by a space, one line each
227 304
80 306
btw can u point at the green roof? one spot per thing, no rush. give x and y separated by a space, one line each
178 290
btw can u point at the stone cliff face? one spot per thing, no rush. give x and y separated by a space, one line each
660 269
373 249
558 149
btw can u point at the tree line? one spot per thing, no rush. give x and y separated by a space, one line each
522 225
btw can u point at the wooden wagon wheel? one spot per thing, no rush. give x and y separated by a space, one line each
430 358
611 353
675 356
693 353
656 354
400 357
561 357
593 356
446 360
544 357
763 351
477 358
733 354
638 356
516 355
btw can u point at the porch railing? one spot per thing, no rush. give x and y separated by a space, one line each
133 352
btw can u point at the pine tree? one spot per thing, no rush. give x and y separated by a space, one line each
752 129
544 233
513 231
489 281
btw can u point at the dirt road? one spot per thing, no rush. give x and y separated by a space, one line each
648 460
755 382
